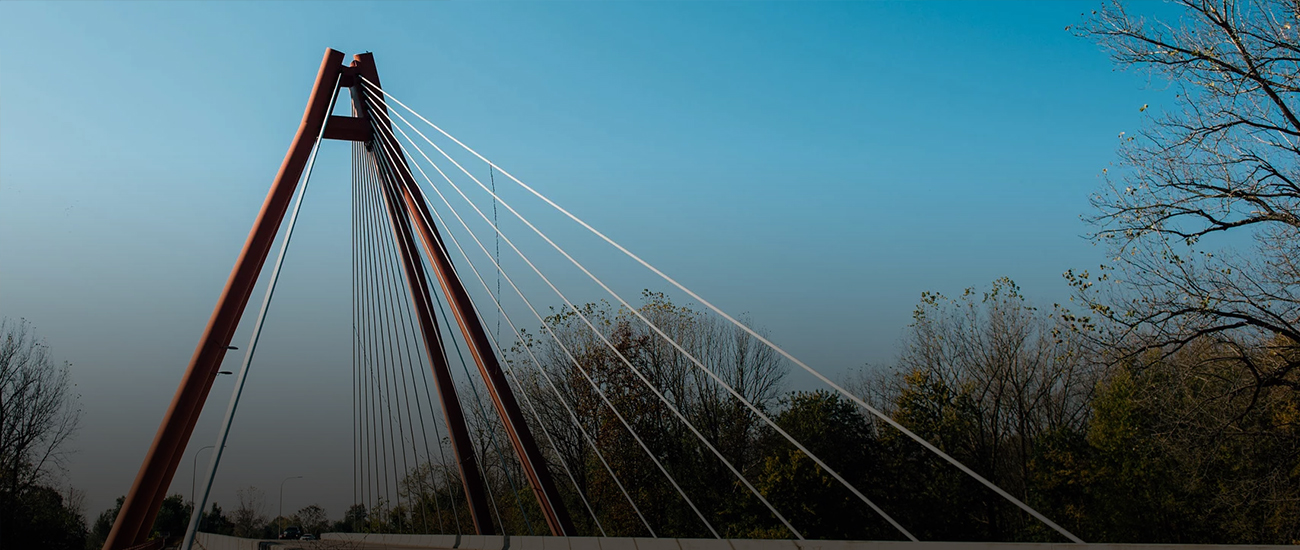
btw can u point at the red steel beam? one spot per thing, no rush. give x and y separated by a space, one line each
150 487
534 464
347 128
417 281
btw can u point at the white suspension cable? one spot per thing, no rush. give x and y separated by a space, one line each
398 289
448 479
373 358
859 401
480 455
501 353
588 438
660 332
595 386
220 445
620 355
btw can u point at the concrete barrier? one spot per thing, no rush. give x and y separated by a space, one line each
209 541
372 541
403 541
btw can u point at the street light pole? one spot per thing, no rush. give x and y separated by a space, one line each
194 472
281 513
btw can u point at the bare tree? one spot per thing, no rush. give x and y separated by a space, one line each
751 369
250 516
1020 373
312 519
38 411
1203 216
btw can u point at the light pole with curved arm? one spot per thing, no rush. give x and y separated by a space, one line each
281 514
195 471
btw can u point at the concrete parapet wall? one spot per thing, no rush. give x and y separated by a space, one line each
480 542
405 541
209 541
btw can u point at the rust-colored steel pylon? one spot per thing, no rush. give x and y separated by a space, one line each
408 214
471 327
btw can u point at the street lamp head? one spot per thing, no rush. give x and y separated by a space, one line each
224 372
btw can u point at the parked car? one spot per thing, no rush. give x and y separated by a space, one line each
291 533
308 536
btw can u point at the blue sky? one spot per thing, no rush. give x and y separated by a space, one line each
816 165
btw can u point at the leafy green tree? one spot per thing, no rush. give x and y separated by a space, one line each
104 524
1192 469
615 358
312 519
47 522
925 494
834 429
173 517
986 377
214 521
353 520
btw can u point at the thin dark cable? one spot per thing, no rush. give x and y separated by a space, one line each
518 383
389 147
369 439
390 375
672 408
363 330
386 167
386 262
497 254
418 363
395 285
847 394
378 386
497 336
356 396
483 416
488 425
390 168
387 259
385 133
528 400
456 516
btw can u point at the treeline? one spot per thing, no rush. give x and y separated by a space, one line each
1144 448
1152 447
1165 409
1147 447
248 519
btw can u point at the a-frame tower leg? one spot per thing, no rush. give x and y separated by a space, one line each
141 505
135 520
398 176
418 283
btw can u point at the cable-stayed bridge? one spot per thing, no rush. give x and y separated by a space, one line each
414 310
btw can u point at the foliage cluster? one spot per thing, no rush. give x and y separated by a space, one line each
1146 450
1168 411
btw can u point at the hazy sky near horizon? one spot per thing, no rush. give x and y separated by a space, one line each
813 165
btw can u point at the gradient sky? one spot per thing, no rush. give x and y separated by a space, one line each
814 165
